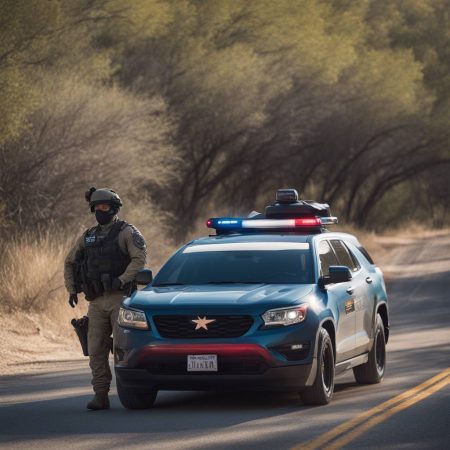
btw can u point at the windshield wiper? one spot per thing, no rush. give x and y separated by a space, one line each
168 284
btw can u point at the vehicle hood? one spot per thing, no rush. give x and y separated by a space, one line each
218 296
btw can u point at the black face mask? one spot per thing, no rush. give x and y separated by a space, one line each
104 217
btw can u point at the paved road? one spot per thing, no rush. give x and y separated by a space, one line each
46 410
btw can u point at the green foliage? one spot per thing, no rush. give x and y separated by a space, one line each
226 100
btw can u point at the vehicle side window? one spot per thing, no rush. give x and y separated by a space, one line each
356 263
327 258
344 256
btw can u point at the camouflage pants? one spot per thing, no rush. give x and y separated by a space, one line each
102 313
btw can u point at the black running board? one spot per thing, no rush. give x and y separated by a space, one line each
350 363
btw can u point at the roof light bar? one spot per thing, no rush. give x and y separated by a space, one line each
234 223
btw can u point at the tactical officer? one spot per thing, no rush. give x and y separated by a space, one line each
103 265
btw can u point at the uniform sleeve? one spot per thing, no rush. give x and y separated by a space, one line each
132 241
69 265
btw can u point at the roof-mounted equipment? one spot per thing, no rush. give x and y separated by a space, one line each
288 214
288 205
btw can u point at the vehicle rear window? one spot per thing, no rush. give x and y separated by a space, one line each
365 253
209 266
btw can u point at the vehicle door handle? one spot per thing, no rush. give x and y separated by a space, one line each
369 280
350 290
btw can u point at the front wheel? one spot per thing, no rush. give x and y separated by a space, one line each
134 399
321 392
373 370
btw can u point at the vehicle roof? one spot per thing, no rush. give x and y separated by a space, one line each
269 237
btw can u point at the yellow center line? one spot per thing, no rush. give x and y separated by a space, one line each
344 440
346 427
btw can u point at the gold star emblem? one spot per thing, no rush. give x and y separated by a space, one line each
202 322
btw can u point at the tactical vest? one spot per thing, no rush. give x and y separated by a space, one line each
103 254
102 257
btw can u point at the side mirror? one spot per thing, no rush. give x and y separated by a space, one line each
339 274
144 276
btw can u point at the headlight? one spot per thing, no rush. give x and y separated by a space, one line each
285 316
132 318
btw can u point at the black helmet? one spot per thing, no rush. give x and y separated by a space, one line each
104 195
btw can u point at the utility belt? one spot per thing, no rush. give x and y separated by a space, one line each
94 288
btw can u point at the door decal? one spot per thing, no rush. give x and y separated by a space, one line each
349 306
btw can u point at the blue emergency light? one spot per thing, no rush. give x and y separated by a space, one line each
225 223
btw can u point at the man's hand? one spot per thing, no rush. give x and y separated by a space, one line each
116 284
73 300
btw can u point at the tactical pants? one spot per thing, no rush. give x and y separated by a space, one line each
102 313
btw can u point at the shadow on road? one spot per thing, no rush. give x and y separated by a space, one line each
173 411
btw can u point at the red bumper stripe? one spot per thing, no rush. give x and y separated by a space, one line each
206 349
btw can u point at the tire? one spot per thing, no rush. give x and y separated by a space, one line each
373 370
321 392
134 399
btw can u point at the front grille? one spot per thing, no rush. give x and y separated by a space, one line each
182 327
177 365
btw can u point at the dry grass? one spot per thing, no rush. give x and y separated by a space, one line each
35 317
31 273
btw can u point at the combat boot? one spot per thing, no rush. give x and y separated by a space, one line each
100 401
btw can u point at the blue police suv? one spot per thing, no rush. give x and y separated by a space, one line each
272 301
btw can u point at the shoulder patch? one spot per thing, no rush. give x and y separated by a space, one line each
138 239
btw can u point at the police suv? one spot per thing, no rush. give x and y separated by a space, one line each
273 301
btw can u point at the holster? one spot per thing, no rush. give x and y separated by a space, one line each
81 328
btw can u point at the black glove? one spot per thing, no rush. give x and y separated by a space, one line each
73 300
116 284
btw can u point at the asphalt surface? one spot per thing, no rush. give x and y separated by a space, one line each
46 410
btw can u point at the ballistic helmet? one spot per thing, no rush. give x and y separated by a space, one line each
105 196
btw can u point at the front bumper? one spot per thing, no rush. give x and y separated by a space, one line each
243 366
290 378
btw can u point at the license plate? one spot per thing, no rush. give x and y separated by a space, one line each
202 363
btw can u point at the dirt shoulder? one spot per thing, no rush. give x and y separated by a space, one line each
32 342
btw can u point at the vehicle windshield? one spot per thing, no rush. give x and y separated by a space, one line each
271 263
